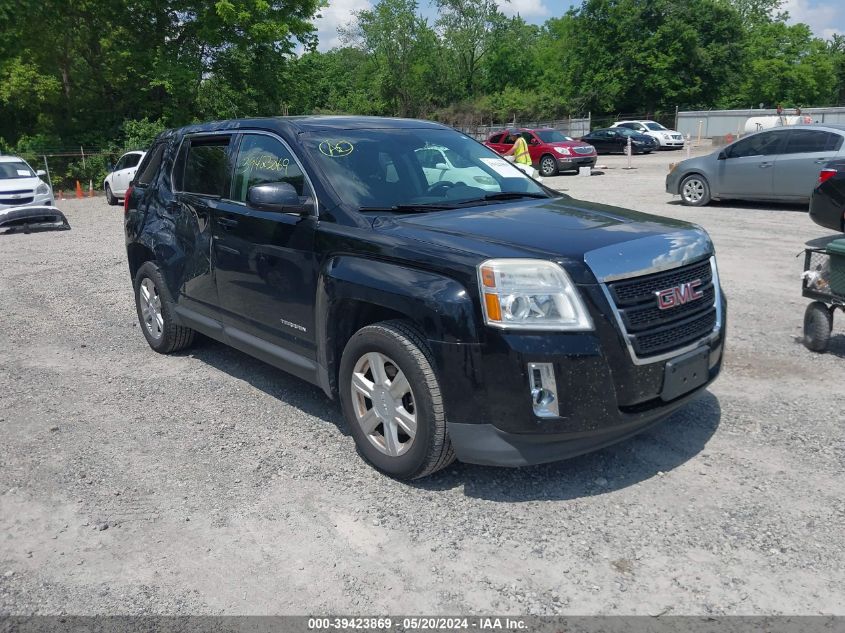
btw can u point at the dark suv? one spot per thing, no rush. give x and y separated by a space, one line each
500 324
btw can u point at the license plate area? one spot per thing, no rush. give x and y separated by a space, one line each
685 373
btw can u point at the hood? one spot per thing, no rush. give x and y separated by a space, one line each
570 231
19 184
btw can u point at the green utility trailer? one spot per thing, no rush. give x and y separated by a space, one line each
823 281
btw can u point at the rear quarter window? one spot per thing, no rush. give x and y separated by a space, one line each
150 165
206 166
496 138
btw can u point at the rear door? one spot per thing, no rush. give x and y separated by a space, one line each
748 168
496 143
124 173
201 176
264 260
600 139
805 154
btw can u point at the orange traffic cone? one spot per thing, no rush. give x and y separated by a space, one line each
90 188
78 190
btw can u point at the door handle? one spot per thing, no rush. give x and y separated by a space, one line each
822 161
765 165
227 223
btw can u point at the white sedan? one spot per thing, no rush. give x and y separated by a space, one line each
117 182
666 137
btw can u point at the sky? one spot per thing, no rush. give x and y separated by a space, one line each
825 17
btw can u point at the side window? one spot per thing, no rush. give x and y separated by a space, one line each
761 144
510 139
263 159
149 168
806 141
206 166
131 160
121 164
496 138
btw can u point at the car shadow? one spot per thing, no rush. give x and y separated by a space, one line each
836 346
657 450
753 206
274 382
652 453
821 242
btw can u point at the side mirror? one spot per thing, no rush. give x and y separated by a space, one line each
41 172
442 166
722 155
533 141
275 196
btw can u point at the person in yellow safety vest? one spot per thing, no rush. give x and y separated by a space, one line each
521 156
519 151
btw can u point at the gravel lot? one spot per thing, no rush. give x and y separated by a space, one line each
208 482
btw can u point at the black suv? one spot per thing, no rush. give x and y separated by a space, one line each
457 309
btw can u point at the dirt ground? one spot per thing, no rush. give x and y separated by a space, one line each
211 483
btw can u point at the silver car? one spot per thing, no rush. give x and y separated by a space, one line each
782 164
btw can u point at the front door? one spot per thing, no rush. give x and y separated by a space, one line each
806 153
265 261
748 168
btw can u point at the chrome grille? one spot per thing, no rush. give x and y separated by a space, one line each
583 150
652 331
16 201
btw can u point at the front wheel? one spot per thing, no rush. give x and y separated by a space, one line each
548 166
392 403
818 323
695 191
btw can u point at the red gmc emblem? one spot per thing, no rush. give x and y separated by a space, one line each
679 295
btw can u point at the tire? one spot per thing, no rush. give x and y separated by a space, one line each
165 336
110 196
548 165
394 347
695 191
818 323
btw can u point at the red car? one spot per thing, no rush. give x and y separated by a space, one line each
551 151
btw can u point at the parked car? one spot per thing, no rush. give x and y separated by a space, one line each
670 139
781 164
21 186
117 182
442 165
512 327
827 203
551 150
609 140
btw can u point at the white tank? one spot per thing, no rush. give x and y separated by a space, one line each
758 123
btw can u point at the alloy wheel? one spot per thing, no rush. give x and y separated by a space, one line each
693 190
151 308
384 404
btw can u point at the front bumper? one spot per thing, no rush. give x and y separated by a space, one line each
32 219
673 182
574 162
603 395
672 142
38 200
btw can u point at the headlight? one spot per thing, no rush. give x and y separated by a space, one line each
666 136
42 189
530 294
563 150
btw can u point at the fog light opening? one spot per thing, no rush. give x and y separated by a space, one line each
544 399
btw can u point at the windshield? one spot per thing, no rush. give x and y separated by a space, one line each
16 169
552 136
385 169
651 125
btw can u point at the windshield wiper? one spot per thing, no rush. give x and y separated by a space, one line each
406 208
504 195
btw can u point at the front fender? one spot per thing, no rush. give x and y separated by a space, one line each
439 306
